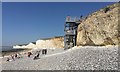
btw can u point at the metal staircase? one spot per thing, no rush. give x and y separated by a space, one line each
70 29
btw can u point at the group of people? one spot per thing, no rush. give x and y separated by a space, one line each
36 55
14 56
29 54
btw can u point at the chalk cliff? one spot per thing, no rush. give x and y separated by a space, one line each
55 42
100 27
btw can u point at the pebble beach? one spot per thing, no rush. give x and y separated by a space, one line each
76 58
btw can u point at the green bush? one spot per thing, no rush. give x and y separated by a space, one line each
106 9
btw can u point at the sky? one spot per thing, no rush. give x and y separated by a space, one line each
24 22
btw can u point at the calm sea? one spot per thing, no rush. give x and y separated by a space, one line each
5 48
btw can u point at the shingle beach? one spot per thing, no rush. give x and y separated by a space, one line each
77 58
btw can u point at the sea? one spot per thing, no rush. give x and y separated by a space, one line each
6 48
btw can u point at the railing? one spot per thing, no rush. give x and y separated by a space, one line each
72 19
70 32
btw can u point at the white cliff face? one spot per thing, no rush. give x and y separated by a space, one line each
16 46
48 43
51 43
44 44
19 46
31 45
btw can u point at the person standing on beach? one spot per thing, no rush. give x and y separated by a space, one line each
2 55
